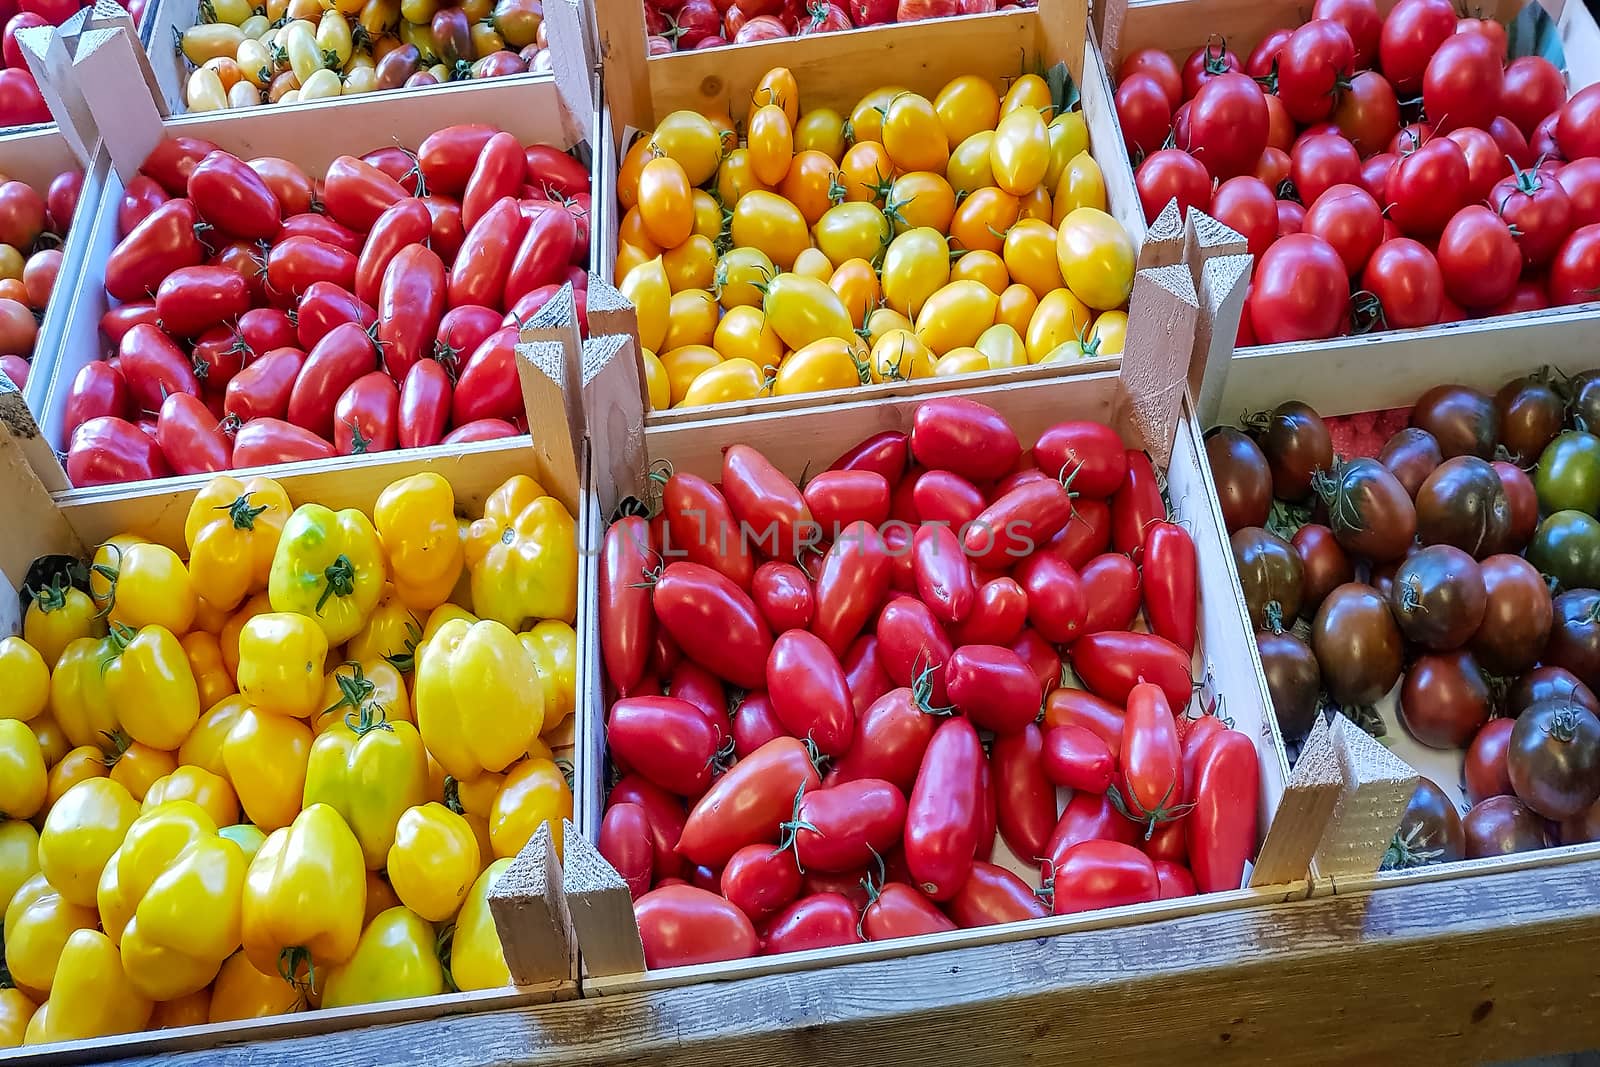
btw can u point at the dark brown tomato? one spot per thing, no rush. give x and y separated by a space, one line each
1369 510
1293 679
1501 826
1582 828
1585 390
1429 831
1464 421
1484 769
1324 565
1445 699
1411 455
1523 500
1358 644
1575 635
1531 413
1438 597
1516 618
1463 503
1553 758
1548 683
1270 574
1242 477
1296 443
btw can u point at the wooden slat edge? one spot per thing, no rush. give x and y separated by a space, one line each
530 913
1377 787
1162 312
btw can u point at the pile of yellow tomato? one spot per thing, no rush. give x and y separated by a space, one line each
911 238
286 771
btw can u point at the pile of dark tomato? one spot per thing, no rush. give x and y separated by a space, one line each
1387 171
262 316
1459 565
818 737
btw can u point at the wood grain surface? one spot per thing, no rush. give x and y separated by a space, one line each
1471 970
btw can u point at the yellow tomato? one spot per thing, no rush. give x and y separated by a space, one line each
81 832
770 138
1003 347
1036 205
433 861
1110 333
1030 90
79 764
633 161
19 857
212 794
1060 317
881 320
103 569
809 184
813 263
211 675
821 130
664 202
138 766
912 134
16 1010
736 178
24 678
259 604
629 257
1096 257
981 222
647 287
956 315
857 285
778 86
1030 255
852 231
1081 185
334 38
191 1010
203 91
829 363
1069 135
23 777
203 746
684 365
915 266
690 139
208 618
984 267
53 743
961 361
691 319
533 792
242 992
1020 152
152 587
707 214
655 381
692 265
969 169
728 381
744 333
898 356
631 231
770 223
920 198
966 105
266 755
802 310
866 118
741 275
866 172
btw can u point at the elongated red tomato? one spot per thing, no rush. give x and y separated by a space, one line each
190 438
746 805
841 827
864 674
769 506
424 404
497 173
405 222
344 355
233 198
410 304
1025 800
964 436
1111 663
553 171
1222 826
97 389
997 617
117 321
701 528
943 817
1103 874
1087 817
167 239
356 193
911 643
808 691
447 156
488 387
783 594
461 330
297 263
991 896
681 925
263 329
1171 577
140 197
761 880
891 737
365 415
478 274
1174 880
1193 736
944 576
898 910
1087 456
191 300
1076 757
821 920
887 454
1136 505
1041 657
839 498
107 449
1017 523
266 441
665 739
1111 592
625 844
698 686
851 583
154 367
1057 607
325 305
321 228
262 389
1079 707
666 815
172 161
1151 778
627 621
543 255
481 430
754 723
1086 535
714 622
946 497
290 184
994 686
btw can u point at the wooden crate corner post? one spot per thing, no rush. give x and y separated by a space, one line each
571 65
1163 311
48 51
557 322
23 435
1377 787
108 69
530 914
602 911
619 34
34 525
1163 239
1303 813
556 442
1223 282
110 15
614 408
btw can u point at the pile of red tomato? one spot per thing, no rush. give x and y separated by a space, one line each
32 230
828 697
1427 572
266 317
1387 172
685 25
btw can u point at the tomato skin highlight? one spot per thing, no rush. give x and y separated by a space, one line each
1111 663
1171 583
943 817
944 576
665 739
1222 826
887 454
963 436
768 504
745 805
681 926
899 910
994 686
783 594
850 585
1057 607
1077 758
807 687
701 528
714 622
233 198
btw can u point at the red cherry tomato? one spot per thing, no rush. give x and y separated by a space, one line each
1318 162
1350 220
1078 758
1265 55
1411 34
233 198
1360 19
1203 64
821 920
1537 209
1246 203
1405 278
761 880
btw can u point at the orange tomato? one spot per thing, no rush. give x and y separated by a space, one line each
692 319
137 766
981 222
665 206
778 86
867 172
736 178
744 333
982 266
631 231
1036 205
920 198
692 265
809 184
205 661
633 162
770 138
913 135
78 765
1016 307
857 285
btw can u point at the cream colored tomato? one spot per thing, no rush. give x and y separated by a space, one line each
1002 346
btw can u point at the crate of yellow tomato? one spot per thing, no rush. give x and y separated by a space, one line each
268 749
872 209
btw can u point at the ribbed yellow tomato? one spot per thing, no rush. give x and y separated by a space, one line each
744 333
968 169
852 231
1060 317
1020 154
829 363
778 86
1003 346
769 222
1081 185
821 130
1110 333
1030 255
920 198
966 105
741 275
802 310
647 287
981 222
770 137
1096 257
728 381
866 118
19 857
857 285
736 178
915 266
984 267
956 315
1030 90
809 184
867 172
689 138
1069 135
960 361
813 263
898 356
684 365
691 319
913 135
692 265
664 202
655 381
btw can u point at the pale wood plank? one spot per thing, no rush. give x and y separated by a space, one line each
602 910
530 914
1162 314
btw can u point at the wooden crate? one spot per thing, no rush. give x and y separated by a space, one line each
1178 27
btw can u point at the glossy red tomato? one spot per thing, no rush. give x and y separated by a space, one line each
140 197
1315 59
1575 272
891 737
1478 258
323 229
1151 780
266 441
1112 663
1246 203
1057 606
1143 112
841 827
1111 592
21 103
898 910
761 880
665 739
665 814
344 355
1349 219
1077 758
911 643
1512 142
627 620
964 436
681 925
943 818
233 198
1212 61
1156 64
1580 180
993 895
1025 799
478 274
1265 55
356 193
1368 113
1320 161
448 156
784 596
163 242
424 404
1537 209
1532 90
821 920
1486 163
994 686
1228 125
1463 82
887 454
1300 292
107 449
366 416
1171 174
1222 826
943 573
625 843
1360 19
1375 173
1102 874
1427 187
402 223
998 615
190 438
191 300
411 300
262 389
714 622
155 368
1405 278
807 687
1484 770
767 504
746 805
1411 35
98 389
